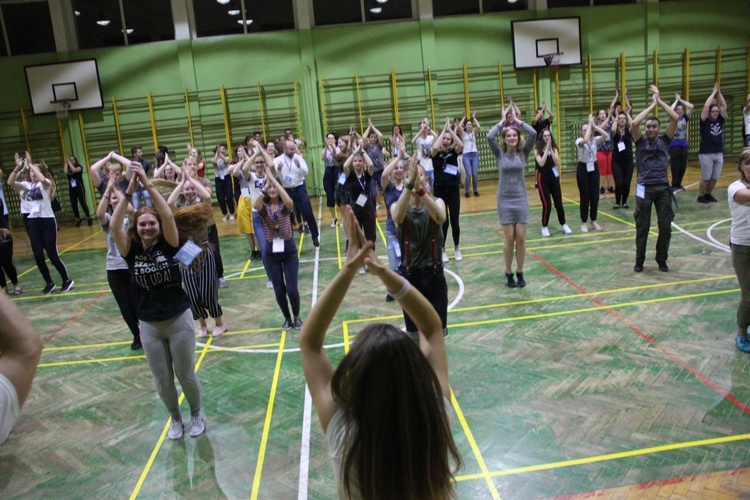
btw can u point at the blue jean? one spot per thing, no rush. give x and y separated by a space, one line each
260 238
302 202
141 195
391 239
471 165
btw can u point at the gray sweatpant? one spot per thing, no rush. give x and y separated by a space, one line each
170 349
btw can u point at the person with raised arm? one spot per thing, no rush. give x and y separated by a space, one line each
330 173
605 120
253 175
397 141
35 191
547 161
587 173
378 154
447 187
393 187
423 142
470 152
387 385
109 166
652 183
622 158
746 121
739 207
223 182
165 320
512 199
711 149
359 169
540 122
282 263
678 148
419 218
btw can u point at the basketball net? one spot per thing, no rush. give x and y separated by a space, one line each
62 108
553 60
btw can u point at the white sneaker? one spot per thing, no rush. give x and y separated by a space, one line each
596 226
457 255
197 426
584 228
223 283
175 430
545 231
226 217
362 270
445 256
566 229
333 223
231 217
377 207
269 284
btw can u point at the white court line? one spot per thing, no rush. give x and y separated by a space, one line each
709 233
698 238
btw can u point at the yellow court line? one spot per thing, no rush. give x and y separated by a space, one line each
244 269
474 448
64 251
267 424
59 295
299 247
338 247
89 361
619 219
164 431
382 235
609 456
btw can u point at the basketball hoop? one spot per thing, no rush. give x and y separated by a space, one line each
553 60
61 107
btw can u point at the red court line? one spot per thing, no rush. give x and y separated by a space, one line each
73 318
679 361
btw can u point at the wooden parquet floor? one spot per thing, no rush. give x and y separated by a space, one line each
591 382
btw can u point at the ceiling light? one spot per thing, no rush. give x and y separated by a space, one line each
512 1
223 2
77 12
234 12
103 22
248 22
376 10
382 1
129 31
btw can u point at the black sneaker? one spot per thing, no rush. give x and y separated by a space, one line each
307 229
297 323
616 207
316 242
711 198
287 325
663 267
509 281
49 288
78 222
89 221
67 285
625 205
521 281
702 199
136 345
602 190
468 195
476 193
610 189
638 267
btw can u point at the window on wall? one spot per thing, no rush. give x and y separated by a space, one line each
328 12
612 2
453 8
148 21
502 5
551 4
3 48
379 10
22 39
99 23
225 17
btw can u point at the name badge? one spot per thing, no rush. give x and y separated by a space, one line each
451 170
396 249
278 245
620 147
221 176
362 199
640 191
245 192
590 166
287 180
36 207
187 253
73 183
342 178
555 172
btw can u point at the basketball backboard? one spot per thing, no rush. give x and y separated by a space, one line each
535 38
75 81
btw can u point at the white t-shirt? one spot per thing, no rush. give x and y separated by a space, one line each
740 234
9 407
37 196
746 114
470 142
587 150
424 152
255 185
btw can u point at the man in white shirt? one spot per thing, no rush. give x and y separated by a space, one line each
291 170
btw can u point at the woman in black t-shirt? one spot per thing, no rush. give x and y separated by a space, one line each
74 172
165 320
358 181
448 176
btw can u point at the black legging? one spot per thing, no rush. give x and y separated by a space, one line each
678 164
549 190
366 217
622 170
6 263
330 179
78 195
237 187
451 196
588 188
126 295
213 238
224 194
283 267
42 233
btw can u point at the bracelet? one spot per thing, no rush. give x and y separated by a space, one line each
409 186
128 196
405 287
421 192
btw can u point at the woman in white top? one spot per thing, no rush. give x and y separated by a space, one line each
739 206
423 142
470 152
34 189
387 385
587 174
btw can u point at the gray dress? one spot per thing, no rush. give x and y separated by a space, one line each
512 199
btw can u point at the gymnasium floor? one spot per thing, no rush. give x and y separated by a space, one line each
593 381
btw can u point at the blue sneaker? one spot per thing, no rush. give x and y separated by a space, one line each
743 343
